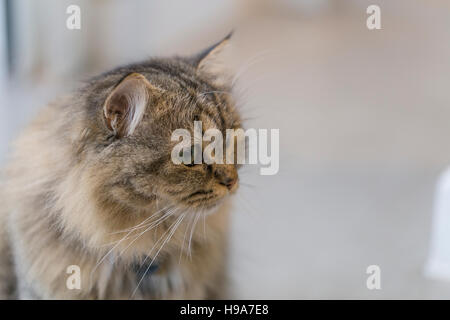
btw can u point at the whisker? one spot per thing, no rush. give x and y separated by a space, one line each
249 63
107 254
184 238
244 119
172 229
247 184
248 208
192 232
152 225
111 250
148 225
204 225
140 225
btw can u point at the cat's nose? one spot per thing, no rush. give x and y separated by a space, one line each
228 182
226 175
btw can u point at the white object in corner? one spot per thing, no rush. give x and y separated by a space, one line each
438 264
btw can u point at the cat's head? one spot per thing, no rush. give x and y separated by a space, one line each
132 113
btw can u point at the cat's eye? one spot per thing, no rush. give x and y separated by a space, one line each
191 164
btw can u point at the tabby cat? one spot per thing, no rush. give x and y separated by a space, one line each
91 190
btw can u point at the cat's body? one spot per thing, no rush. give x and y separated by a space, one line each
91 185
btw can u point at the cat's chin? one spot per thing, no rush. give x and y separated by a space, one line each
208 202
208 205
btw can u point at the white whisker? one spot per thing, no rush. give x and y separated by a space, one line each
184 237
141 225
192 232
172 229
151 226
112 249
204 225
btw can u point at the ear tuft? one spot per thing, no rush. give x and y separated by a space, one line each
209 54
125 106
210 62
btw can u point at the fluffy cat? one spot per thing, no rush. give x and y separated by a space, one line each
91 184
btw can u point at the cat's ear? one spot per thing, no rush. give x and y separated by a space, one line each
208 60
126 104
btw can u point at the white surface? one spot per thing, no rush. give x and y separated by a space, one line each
438 265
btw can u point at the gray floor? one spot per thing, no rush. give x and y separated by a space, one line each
364 121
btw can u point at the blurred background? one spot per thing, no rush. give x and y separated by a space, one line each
364 119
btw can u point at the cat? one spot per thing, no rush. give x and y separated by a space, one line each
91 192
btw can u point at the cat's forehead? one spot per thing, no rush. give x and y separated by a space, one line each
181 111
